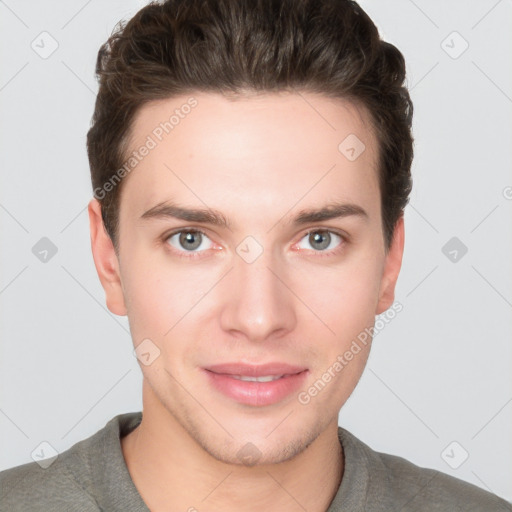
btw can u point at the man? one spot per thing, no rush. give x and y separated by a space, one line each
250 164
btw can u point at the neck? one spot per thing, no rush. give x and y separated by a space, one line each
172 471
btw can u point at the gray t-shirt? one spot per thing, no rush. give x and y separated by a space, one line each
92 476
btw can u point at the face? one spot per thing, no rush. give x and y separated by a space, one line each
283 263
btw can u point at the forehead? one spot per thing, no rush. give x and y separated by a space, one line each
260 153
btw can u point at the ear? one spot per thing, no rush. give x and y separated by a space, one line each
392 267
106 260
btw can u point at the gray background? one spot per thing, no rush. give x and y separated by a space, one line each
440 372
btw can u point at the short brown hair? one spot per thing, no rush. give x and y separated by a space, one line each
178 47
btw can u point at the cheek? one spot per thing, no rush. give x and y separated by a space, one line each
157 311
346 304
149 293
344 297
161 296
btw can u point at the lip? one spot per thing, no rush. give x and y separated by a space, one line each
256 394
251 370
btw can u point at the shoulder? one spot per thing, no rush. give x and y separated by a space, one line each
428 489
75 480
395 483
32 487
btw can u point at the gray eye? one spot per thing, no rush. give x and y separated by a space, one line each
189 240
320 240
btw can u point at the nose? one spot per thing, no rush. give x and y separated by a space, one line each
257 304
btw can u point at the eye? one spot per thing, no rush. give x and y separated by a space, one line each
321 240
189 240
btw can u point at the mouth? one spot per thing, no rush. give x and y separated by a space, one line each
256 385
265 378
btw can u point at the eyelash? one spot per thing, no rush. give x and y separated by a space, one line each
330 252
193 254
183 254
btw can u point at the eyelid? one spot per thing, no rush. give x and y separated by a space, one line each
345 238
182 253
336 231
185 229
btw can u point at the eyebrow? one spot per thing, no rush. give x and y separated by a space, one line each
210 216
204 216
330 211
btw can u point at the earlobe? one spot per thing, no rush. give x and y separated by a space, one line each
106 260
392 267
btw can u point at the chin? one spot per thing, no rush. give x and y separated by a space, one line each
265 447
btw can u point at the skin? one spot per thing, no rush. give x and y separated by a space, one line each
259 160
